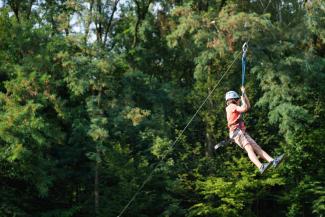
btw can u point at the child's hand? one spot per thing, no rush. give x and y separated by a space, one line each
242 89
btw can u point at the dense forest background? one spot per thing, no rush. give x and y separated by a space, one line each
94 92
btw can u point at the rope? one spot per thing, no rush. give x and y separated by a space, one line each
179 136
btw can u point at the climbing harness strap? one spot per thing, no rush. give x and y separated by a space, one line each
234 133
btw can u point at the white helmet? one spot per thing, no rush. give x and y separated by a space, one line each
232 95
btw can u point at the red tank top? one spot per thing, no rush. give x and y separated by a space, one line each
233 118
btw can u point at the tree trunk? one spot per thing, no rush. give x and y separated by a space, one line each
210 141
88 21
31 2
109 23
96 190
209 144
142 9
15 6
222 4
99 23
96 187
280 11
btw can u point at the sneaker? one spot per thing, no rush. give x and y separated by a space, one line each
264 167
220 144
277 161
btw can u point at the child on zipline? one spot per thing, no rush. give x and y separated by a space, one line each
237 131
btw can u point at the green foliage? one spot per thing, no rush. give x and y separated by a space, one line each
93 94
230 195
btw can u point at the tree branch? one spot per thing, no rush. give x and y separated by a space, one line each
141 15
222 4
99 23
15 6
29 11
109 24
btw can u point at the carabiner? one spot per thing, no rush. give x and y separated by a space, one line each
245 47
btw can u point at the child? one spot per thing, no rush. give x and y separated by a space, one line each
237 131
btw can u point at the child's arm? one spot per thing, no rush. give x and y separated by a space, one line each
245 102
245 97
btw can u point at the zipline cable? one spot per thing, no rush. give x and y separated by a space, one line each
267 6
179 136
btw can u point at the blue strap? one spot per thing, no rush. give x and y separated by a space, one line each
243 61
243 70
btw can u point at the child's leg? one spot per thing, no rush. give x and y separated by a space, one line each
258 150
252 156
247 143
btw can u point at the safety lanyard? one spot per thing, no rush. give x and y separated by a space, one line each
243 70
243 63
